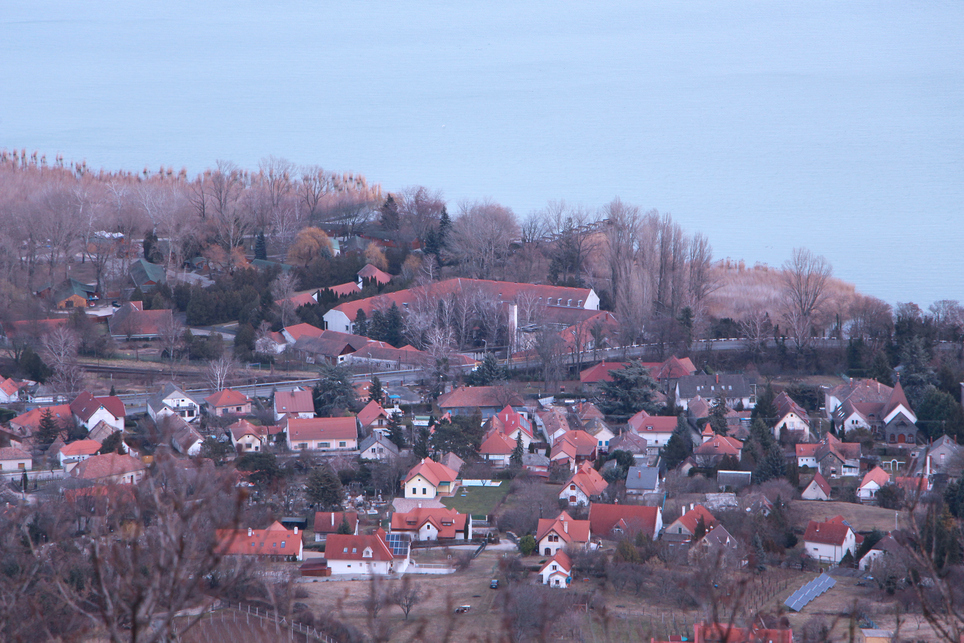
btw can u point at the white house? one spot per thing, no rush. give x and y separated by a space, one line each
377 447
172 400
432 523
818 489
829 541
886 546
656 429
561 532
77 452
14 459
324 434
89 411
428 478
871 484
584 485
791 417
9 391
296 403
557 572
367 555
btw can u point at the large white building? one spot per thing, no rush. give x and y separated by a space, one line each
829 541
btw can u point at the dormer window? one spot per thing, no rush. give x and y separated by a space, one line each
367 553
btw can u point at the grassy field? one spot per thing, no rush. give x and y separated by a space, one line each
477 500
862 517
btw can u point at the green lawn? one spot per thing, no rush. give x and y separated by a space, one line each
477 500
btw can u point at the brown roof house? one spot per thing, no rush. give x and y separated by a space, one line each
89 411
614 522
684 528
487 399
228 402
131 321
584 485
276 542
330 522
322 434
110 468
562 532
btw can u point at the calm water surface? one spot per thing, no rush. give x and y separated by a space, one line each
767 125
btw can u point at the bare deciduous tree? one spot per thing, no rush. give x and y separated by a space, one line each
219 371
805 279
481 238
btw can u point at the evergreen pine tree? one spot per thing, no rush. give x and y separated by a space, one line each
261 247
880 369
631 390
488 371
344 528
23 482
765 409
389 214
377 327
361 323
680 445
324 488
718 415
48 429
395 431
375 392
420 448
113 391
394 326
515 460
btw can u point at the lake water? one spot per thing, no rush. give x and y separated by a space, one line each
767 125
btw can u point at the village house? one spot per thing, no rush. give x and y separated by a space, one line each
818 489
22 428
330 347
554 534
614 522
228 402
488 400
871 484
146 275
629 442
89 411
656 429
735 390
77 451
10 391
432 523
297 403
717 549
601 372
131 321
598 429
885 547
71 294
14 459
573 448
513 425
110 468
373 418
557 571
585 485
642 479
172 400
429 479
246 436
791 417
372 273
367 555
331 522
377 447
274 543
553 422
185 438
322 434
868 404
941 459
684 528
831 457
293 333
900 421
829 541
714 450
497 448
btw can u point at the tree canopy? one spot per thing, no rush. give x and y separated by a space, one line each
631 390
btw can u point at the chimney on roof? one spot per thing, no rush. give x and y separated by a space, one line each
250 532
565 526
296 530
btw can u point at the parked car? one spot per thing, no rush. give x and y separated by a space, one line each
494 584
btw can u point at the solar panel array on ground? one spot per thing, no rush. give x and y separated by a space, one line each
398 543
799 599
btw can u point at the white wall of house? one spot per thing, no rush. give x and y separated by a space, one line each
807 461
337 320
813 492
360 567
792 422
573 495
249 443
868 491
419 487
103 415
550 544
554 575
831 553
349 444
21 464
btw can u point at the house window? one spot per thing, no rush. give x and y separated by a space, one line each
424 491
572 487
282 543
325 445
21 465
303 445
342 444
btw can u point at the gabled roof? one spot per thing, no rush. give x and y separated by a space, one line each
821 482
343 428
828 533
691 518
299 300
227 397
479 396
496 443
131 320
587 411
73 288
628 441
561 560
568 530
643 423
328 522
877 475
85 405
276 540
448 522
80 447
898 399
10 387
718 538
600 372
675 368
242 428
785 406
508 421
297 401
31 419
435 472
13 453
709 386
699 407
343 290
630 519
720 445
108 464
156 401
349 547
144 272
640 478
587 480
377 438
372 272
578 442
303 330
372 411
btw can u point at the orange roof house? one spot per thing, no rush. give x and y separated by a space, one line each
553 534
293 333
713 450
274 542
433 523
131 321
818 489
684 527
601 372
497 447
619 521
90 411
110 468
488 399
371 272
228 402
363 554
329 522
328 434
657 429
298 403
429 478
343 290
373 416
584 485
574 447
23 427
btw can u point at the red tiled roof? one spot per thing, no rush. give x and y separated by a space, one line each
276 540
588 480
692 518
828 533
720 445
561 559
583 443
303 330
13 453
785 405
727 633
242 428
343 428
805 450
31 419
644 423
372 411
9 386
631 519
348 547
600 372
372 272
675 368
822 483
85 405
227 397
300 401
878 475
448 522
508 421
569 530
496 443
80 447
897 398
302 299
108 464
479 396
434 472
343 290
328 522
